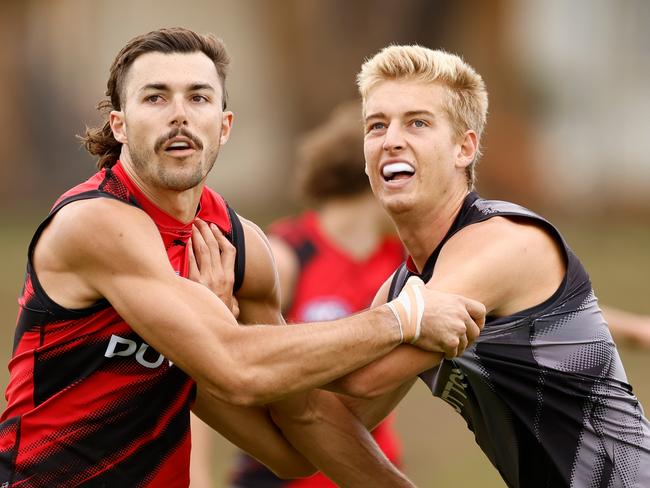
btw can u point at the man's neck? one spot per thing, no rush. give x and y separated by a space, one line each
423 229
356 225
182 205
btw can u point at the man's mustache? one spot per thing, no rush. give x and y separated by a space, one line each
178 131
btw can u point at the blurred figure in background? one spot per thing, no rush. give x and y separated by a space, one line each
331 260
628 328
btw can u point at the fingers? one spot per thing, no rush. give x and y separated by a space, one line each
463 342
200 249
451 322
212 262
194 267
234 307
473 330
477 311
227 250
210 245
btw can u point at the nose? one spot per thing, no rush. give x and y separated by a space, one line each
393 138
179 112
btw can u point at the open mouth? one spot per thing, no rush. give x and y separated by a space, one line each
178 146
397 171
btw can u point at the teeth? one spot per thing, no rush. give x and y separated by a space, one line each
391 169
178 145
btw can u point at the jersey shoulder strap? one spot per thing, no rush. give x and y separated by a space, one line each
237 239
400 277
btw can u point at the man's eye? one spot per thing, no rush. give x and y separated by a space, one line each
199 98
153 98
419 123
377 126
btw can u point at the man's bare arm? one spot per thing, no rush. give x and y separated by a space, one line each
331 436
212 261
628 328
334 440
507 265
102 248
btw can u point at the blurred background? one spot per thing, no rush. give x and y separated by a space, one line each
567 132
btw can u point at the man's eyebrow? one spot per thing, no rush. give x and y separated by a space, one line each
201 86
376 115
165 87
410 113
155 86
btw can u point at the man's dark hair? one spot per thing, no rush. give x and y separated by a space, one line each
330 161
99 141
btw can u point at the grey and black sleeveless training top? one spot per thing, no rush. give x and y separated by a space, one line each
544 390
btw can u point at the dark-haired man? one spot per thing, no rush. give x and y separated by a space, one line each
113 343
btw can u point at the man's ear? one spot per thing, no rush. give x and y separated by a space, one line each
118 125
226 126
467 149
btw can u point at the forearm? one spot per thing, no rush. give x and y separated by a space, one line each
386 374
255 364
252 430
277 361
334 440
371 412
203 437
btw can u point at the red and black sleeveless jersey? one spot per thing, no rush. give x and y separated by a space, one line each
89 403
331 284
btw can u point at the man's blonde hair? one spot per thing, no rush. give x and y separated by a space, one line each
467 101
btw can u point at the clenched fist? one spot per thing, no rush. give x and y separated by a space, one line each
437 321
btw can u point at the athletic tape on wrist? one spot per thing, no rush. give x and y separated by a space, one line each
408 308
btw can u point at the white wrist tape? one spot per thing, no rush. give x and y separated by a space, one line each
408 308
393 309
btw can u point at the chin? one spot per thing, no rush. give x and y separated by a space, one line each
397 204
182 180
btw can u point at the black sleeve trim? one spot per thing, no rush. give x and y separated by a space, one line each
237 239
51 307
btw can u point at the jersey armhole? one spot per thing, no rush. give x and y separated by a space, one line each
238 240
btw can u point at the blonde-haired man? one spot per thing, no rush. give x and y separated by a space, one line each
543 387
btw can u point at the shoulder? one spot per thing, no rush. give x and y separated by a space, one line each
90 244
504 262
100 225
260 278
501 236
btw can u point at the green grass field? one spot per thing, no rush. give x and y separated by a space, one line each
438 449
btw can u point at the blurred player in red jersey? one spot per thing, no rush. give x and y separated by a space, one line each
332 259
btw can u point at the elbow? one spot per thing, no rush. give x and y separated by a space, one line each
241 388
